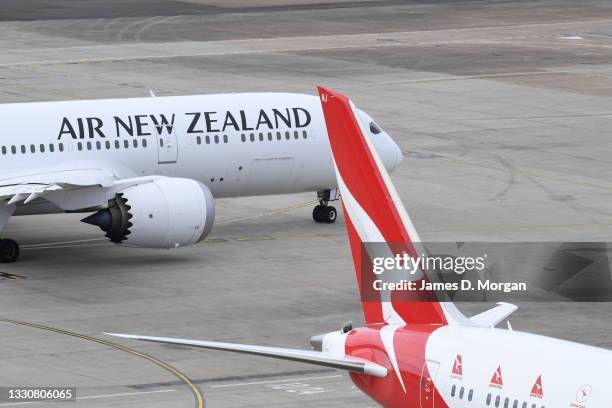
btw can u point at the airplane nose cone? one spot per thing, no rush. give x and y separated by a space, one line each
388 151
399 156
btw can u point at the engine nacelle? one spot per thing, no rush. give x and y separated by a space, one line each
163 213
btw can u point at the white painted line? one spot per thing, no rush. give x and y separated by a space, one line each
67 246
453 78
147 51
192 54
294 207
276 381
597 35
127 394
302 38
78 241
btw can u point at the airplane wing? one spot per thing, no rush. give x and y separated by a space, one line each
23 187
493 317
352 364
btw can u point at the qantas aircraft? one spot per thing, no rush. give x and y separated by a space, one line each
150 167
427 354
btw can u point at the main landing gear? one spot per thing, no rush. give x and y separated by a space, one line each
9 250
325 212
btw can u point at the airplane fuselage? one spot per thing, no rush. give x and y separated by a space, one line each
235 144
461 367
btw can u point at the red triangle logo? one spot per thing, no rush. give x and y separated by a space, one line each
537 390
458 367
496 380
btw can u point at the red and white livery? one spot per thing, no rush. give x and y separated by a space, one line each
424 353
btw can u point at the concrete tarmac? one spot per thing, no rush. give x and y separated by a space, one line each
503 111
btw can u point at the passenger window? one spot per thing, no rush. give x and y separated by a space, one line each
252 137
515 405
304 134
32 148
524 405
453 390
278 136
23 149
126 144
243 137
296 135
42 148
107 144
198 140
287 135
261 137
269 136
470 394
497 401
13 149
144 142
461 393
488 399
98 145
51 147
135 142
216 139
79 146
224 138
3 149
506 402
61 147
207 139
117 144
88 145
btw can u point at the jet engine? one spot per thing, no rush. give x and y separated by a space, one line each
163 213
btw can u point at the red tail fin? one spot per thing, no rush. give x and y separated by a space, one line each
373 213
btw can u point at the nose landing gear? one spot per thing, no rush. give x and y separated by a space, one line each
325 213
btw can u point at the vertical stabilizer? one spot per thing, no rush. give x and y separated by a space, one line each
376 221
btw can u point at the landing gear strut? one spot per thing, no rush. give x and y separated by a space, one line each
325 212
9 250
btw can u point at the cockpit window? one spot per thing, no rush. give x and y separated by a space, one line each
374 128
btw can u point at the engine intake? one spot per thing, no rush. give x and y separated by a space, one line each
163 213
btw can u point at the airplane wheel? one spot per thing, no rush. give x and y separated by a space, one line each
317 213
330 214
9 250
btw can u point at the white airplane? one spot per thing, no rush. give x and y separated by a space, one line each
427 354
151 167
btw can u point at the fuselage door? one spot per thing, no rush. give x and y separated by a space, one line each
167 144
428 373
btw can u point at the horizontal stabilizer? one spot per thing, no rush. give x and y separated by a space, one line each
353 364
493 317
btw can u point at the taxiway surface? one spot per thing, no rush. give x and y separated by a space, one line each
503 111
